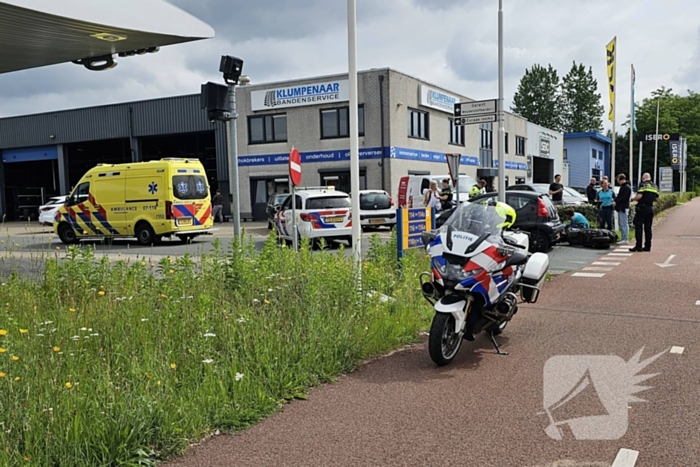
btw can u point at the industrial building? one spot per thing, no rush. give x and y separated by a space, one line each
405 128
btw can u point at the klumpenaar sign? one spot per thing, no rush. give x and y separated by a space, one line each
300 95
438 100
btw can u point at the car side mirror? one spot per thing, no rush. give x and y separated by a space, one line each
278 208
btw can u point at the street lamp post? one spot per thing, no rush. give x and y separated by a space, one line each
501 116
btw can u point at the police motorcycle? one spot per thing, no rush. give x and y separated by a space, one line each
478 271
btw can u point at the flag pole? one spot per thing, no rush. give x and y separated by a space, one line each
631 124
614 104
656 141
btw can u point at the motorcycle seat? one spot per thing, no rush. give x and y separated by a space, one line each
518 259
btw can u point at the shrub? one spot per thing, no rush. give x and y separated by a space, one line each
127 362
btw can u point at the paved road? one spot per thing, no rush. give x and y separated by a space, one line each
489 410
22 246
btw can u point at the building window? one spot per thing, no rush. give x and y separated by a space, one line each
486 139
519 146
418 126
335 123
594 153
456 134
566 155
600 155
506 144
267 129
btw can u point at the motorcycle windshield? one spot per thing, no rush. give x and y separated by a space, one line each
476 218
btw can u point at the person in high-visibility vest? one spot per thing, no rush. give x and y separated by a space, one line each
476 190
647 194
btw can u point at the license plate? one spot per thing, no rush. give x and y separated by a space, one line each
333 220
184 221
376 221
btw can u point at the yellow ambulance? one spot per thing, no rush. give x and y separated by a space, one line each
146 200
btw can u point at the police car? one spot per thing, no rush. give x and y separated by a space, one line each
321 212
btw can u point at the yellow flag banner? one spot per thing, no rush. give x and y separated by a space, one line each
611 53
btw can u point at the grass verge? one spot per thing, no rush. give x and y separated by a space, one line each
126 363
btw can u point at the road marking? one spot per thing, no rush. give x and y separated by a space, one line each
666 263
596 269
625 458
606 263
697 302
619 254
587 274
622 250
676 349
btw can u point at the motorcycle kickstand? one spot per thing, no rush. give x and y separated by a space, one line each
495 344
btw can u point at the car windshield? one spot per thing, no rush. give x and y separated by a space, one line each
279 199
328 202
374 201
572 192
476 218
541 188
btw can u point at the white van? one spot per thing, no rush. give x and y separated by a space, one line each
413 187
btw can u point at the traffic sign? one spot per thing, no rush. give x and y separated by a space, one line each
295 166
460 121
470 109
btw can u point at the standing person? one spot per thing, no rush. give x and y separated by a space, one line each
606 197
591 191
556 190
218 206
622 206
477 189
432 197
446 195
647 194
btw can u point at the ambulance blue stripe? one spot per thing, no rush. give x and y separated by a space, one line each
105 224
187 213
73 224
88 223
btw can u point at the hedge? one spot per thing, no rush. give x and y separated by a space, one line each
590 211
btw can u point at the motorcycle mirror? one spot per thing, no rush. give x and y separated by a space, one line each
427 237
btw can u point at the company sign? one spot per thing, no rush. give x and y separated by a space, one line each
665 179
437 100
659 137
297 96
544 148
674 147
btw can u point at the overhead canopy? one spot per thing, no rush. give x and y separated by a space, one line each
35 33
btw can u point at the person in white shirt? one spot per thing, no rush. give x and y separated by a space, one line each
432 197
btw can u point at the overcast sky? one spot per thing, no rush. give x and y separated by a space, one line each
450 43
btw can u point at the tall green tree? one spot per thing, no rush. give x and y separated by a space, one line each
581 105
538 97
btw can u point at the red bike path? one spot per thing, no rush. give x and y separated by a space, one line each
486 409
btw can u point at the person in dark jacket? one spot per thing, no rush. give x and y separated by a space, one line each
591 191
218 206
647 194
622 207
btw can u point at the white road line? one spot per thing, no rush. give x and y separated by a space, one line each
596 269
697 302
587 274
619 254
676 349
625 458
606 263
623 250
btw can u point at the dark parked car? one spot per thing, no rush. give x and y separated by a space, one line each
570 195
270 209
535 214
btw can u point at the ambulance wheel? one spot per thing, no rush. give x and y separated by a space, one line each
145 234
67 234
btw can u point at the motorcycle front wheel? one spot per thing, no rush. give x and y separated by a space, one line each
444 342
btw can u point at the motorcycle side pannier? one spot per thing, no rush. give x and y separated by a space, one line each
533 277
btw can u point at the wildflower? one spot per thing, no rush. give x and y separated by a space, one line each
239 376
87 282
83 329
23 331
209 334
241 320
2 350
3 332
172 272
255 300
143 320
143 263
163 295
173 366
56 349
267 302
27 458
39 335
101 293
15 358
2 375
58 248
69 385
16 378
207 361
72 310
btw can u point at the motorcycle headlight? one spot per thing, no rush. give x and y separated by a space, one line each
456 272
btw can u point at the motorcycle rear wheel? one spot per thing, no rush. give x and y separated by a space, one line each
444 342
